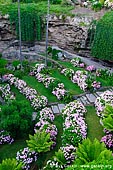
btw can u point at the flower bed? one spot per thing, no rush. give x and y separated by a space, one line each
104 106
37 101
51 83
45 122
6 93
74 130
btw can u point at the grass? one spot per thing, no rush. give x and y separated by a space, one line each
95 130
9 151
68 64
32 82
70 86
41 7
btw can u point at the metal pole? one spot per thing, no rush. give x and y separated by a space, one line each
20 41
47 23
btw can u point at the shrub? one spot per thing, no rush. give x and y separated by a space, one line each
102 46
16 119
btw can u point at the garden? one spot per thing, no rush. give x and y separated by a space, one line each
32 135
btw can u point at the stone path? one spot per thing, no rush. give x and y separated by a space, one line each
85 99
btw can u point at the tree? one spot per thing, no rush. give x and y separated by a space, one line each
40 142
10 164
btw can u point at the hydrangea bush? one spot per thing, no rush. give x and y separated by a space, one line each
76 128
6 93
5 138
59 91
27 157
45 122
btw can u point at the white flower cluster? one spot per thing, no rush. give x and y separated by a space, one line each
45 79
80 78
31 94
59 91
104 99
67 72
6 93
27 157
108 4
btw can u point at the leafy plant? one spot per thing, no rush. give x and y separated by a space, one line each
40 142
92 151
59 157
11 164
108 122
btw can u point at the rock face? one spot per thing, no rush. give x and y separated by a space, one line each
69 32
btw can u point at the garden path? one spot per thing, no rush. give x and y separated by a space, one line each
86 99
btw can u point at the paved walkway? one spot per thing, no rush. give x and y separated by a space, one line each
85 99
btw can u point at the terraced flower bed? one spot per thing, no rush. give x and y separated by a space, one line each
57 135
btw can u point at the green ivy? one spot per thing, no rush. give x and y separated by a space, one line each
102 46
31 22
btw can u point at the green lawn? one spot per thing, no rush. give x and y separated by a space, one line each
32 82
95 130
9 151
69 85
67 64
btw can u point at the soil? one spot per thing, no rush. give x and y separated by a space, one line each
83 11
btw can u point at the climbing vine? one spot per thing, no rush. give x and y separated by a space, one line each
31 22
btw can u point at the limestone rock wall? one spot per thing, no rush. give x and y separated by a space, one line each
70 33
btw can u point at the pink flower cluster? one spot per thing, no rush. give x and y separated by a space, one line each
73 115
77 62
45 123
37 68
90 68
27 157
108 138
96 85
59 91
31 94
104 99
80 78
6 93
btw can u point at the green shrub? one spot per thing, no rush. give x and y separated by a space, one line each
16 119
102 46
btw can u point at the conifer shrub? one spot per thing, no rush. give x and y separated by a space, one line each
102 46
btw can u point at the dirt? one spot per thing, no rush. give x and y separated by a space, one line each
83 11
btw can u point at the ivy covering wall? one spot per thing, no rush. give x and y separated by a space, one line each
31 23
102 46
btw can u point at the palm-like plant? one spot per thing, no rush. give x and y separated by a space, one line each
40 142
92 151
59 157
10 164
108 110
108 123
